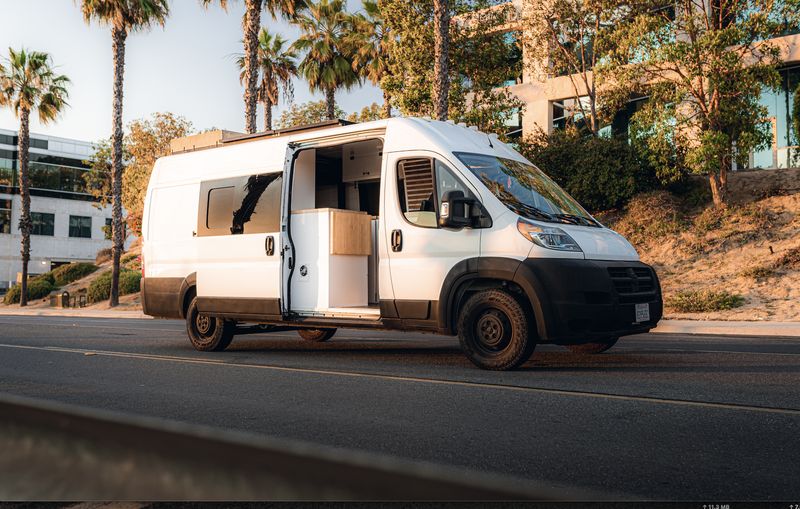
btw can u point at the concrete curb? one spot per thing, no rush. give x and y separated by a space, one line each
730 328
82 313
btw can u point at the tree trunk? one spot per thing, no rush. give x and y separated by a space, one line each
252 24
441 71
387 105
118 35
719 187
330 103
267 114
24 192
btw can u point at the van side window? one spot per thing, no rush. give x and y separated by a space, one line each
240 205
421 183
220 207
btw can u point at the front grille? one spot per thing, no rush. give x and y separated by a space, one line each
633 284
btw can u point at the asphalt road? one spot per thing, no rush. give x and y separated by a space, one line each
670 417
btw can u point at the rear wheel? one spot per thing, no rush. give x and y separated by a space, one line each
316 335
208 333
593 348
494 331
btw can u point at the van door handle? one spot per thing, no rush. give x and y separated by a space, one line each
397 241
269 245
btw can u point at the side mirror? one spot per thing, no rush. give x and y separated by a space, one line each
455 210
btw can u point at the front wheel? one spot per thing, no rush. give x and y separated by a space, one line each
494 331
593 348
208 333
316 335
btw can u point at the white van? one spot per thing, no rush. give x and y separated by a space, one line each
406 224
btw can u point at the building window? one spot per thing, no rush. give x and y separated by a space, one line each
784 151
108 229
80 226
5 216
43 223
40 144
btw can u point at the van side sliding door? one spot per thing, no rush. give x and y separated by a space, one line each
238 230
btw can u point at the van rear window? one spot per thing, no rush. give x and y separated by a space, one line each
240 205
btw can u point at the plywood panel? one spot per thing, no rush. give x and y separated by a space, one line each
350 233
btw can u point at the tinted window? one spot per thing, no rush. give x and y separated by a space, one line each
242 205
43 223
220 207
5 216
108 229
80 226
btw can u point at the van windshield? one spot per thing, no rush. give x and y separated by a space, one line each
526 190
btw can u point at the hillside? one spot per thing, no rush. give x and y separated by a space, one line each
741 263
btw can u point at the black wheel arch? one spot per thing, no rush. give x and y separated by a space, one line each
480 273
187 291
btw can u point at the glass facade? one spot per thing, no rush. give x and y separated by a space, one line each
784 151
43 223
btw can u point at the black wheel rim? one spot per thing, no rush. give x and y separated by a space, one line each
492 331
204 325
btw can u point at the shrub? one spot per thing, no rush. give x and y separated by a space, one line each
601 173
698 301
790 259
100 289
758 272
66 274
38 288
650 216
47 276
129 282
103 256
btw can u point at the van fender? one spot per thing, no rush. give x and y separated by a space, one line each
492 269
189 283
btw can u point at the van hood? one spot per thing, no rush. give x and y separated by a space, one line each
601 243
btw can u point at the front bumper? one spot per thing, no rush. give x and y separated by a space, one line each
579 301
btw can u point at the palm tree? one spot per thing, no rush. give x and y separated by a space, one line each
250 25
123 17
441 47
370 38
277 67
328 63
28 83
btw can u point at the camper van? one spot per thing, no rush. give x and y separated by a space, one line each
407 224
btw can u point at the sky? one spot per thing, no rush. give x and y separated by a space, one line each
187 68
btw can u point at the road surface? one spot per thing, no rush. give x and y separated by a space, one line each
705 418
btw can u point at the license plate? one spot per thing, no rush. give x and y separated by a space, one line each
642 312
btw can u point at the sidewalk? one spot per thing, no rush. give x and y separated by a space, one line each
732 328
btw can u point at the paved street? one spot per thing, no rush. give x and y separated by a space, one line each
708 418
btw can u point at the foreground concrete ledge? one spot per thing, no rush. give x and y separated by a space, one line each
734 328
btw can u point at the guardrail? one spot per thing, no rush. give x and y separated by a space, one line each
53 451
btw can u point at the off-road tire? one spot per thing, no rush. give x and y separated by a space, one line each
495 332
316 335
208 333
593 348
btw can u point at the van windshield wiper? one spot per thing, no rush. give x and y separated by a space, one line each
530 209
575 219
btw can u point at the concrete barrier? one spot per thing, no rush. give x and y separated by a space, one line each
53 451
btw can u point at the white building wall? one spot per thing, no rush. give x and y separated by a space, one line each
58 248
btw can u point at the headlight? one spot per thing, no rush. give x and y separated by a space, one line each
549 237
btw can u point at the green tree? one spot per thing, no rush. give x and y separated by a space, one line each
123 17
368 114
98 178
251 25
371 48
311 112
703 66
28 83
328 62
277 67
568 38
482 60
